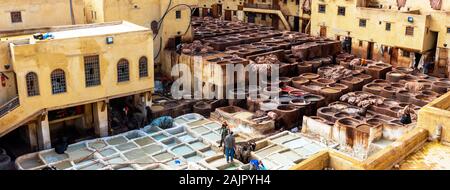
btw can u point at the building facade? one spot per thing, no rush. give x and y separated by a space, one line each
65 84
168 19
23 14
402 33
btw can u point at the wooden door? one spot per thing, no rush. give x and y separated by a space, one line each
204 12
323 31
370 50
228 14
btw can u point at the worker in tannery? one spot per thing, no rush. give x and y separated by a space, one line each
407 114
230 147
224 131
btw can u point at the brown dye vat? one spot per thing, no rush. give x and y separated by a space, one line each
355 84
373 88
388 92
367 78
390 102
285 81
382 117
422 100
429 93
381 82
326 113
403 96
397 85
289 115
330 94
393 111
404 70
342 87
440 87
323 82
310 76
375 72
317 102
395 76
298 82
374 122
339 115
202 108
348 122
382 108
304 68
315 64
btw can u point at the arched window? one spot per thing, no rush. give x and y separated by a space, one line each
58 81
123 71
32 84
143 67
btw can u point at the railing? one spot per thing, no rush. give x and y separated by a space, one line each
261 6
9 106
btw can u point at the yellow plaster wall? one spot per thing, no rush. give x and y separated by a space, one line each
39 13
436 114
68 54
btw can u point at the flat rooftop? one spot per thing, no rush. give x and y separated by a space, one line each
76 31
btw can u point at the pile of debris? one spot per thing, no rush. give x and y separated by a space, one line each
336 73
361 100
196 47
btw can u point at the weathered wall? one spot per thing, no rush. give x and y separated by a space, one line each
436 114
68 54
39 13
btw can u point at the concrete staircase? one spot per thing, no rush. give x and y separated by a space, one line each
14 115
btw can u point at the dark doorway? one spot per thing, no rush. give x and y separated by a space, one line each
251 18
275 22
370 50
206 12
275 4
347 46
323 31
296 24
196 12
304 25
228 15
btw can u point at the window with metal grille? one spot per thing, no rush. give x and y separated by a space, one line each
409 31
322 8
388 26
143 67
32 84
92 70
123 71
362 22
178 14
341 11
16 16
448 30
58 78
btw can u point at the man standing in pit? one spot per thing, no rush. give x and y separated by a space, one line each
230 146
